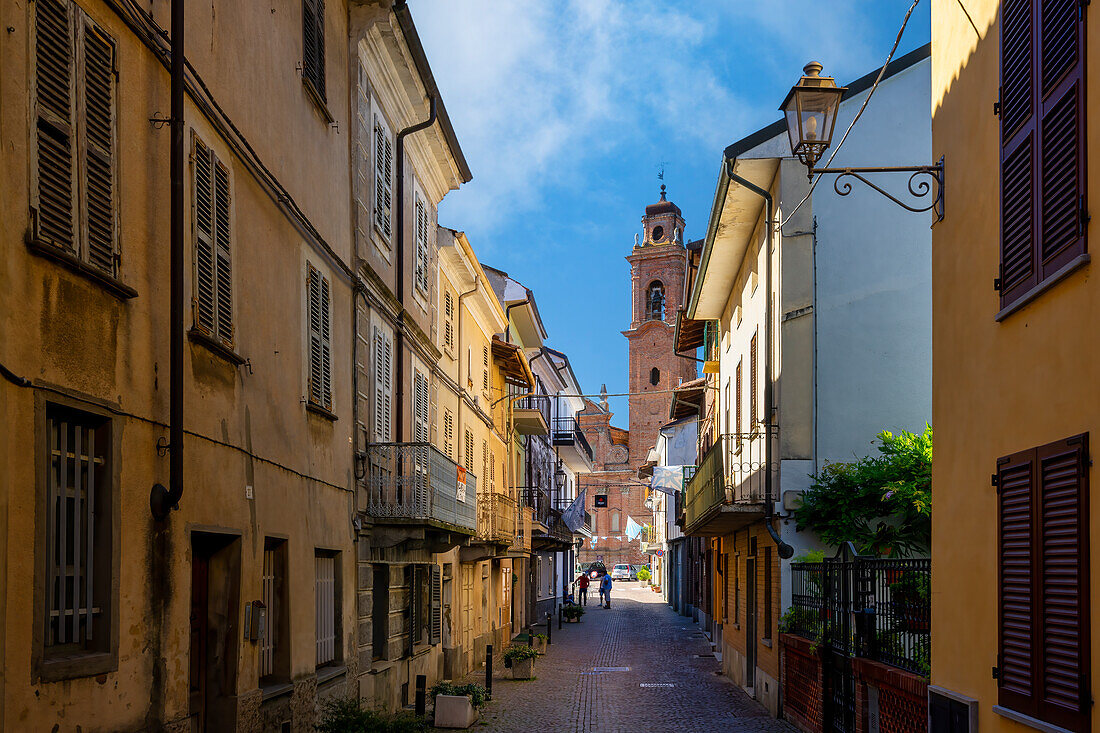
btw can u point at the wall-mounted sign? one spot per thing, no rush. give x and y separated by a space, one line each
460 489
601 500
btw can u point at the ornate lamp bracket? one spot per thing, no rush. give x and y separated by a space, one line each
924 181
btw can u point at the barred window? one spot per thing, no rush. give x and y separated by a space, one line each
328 607
274 649
79 539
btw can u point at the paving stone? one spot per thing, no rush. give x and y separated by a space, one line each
662 684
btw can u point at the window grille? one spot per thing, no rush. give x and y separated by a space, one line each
272 579
325 569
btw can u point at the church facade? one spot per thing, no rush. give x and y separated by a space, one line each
615 494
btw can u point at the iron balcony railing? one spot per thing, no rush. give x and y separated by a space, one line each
417 481
496 518
535 402
733 471
566 432
557 529
538 498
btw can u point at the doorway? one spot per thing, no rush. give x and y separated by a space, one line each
750 622
215 601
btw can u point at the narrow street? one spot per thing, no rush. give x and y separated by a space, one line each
669 679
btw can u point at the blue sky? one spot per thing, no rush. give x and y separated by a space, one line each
565 110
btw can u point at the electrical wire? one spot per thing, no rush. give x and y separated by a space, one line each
855 119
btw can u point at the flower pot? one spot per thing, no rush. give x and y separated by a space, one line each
523 669
540 646
454 711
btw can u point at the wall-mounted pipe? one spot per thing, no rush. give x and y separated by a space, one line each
507 316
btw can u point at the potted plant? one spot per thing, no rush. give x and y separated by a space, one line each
643 575
522 658
540 641
572 612
456 705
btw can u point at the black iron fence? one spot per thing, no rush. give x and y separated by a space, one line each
877 608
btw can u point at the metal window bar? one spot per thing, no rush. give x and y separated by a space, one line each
75 470
566 431
267 643
536 402
325 568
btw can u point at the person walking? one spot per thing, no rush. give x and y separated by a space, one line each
582 588
605 590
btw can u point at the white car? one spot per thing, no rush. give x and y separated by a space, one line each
623 572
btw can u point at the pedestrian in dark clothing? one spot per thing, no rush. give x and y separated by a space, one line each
582 588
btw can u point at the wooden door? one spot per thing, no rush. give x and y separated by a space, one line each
200 623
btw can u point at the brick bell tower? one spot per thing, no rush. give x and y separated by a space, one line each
657 267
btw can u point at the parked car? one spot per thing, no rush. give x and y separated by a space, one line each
594 569
623 572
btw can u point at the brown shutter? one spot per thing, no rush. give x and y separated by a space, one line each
326 344
98 146
752 384
222 253
1061 153
205 313
1015 482
56 200
313 44
436 632
1062 563
1018 272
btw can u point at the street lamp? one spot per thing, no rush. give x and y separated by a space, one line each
811 108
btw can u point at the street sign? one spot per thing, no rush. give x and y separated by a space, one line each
660 553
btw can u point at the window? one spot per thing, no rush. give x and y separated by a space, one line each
78 537
383 177
421 236
654 376
469 460
274 648
767 592
448 320
76 188
382 357
380 611
449 433
485 368
313 47
752 383
320 332
1043 212
328 607
1044 583
655 301
420 407
615 520
212 303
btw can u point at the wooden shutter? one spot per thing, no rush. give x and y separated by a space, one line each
1044 583
54 87
203 299
448 433
737 410
383 176
420 407
752 384
326 344
98 144
1042 142
320 338
383 385
313 44
223 280
436 626
421 236
469 460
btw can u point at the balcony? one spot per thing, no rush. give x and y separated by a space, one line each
727 491
538 500
531 415
496 519
415 484
556 537
572 446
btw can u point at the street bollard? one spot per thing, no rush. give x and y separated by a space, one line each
421 695
489 671
530 636
549 632
559 617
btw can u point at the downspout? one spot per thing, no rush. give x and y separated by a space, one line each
461 384
784 550
400 330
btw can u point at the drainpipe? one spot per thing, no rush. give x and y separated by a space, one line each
784 550
400 330
461 384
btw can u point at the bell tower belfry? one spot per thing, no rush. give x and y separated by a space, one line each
657 266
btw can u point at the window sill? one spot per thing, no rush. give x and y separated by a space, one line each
1028 720
119 289
766 642
378 666
321 412
1063 272
329 673
318 100
274 690
76 666
214 346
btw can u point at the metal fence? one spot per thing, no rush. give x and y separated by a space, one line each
877 608
732 471
496 521
417 481
566 431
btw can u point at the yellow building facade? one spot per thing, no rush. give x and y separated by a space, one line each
1016 399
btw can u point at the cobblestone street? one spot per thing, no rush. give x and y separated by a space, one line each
666 683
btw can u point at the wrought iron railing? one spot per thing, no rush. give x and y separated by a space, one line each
535 402
538 498
566 431
732 471
417 481
496 518
878 608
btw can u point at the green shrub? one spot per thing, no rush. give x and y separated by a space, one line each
520 652
475 692
572 610
643 574
541 637
347 715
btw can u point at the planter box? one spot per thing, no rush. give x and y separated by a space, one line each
540 646
523 669
454 711
572 619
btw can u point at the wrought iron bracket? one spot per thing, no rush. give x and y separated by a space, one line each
924 181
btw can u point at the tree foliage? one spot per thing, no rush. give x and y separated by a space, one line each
882 504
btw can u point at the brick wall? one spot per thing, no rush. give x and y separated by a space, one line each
902 697
802 682
732 594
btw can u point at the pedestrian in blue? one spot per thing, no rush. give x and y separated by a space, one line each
605 589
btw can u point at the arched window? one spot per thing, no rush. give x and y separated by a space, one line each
614 520
655 301
655 376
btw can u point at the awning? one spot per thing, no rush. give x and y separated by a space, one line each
689 333
513 364
687 399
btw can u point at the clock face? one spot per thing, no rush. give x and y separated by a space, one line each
658 232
